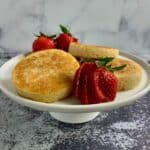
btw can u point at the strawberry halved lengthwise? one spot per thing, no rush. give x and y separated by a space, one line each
99 96
80 84
87 91
77 81
91 87
107 83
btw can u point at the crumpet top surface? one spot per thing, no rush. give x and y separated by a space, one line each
44 71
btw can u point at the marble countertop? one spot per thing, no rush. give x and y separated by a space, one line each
22 128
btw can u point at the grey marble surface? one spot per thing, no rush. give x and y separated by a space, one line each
22 128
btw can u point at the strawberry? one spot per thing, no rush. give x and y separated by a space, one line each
84 94
43 42
95 82
64 39
81 81
77 81
85 88
98 95
107 83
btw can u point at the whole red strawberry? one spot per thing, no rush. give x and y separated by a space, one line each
64 39
43 42
95 82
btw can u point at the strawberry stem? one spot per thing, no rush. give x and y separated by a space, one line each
104 61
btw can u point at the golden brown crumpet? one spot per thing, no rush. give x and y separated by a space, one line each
45 76
92 51
130 76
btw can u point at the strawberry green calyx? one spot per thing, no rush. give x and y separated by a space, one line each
52 36
112 69
43 34
103 62
64 29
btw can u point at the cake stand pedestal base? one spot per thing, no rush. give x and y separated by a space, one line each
74 118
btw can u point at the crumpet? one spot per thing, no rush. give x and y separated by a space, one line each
92 51
130 76
45 76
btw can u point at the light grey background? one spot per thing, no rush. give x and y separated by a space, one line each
124 24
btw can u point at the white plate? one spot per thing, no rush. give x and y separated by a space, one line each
72 105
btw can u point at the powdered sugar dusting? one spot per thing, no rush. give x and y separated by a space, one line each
128 125
23 128
120 140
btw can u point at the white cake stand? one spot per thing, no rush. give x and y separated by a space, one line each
70 110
